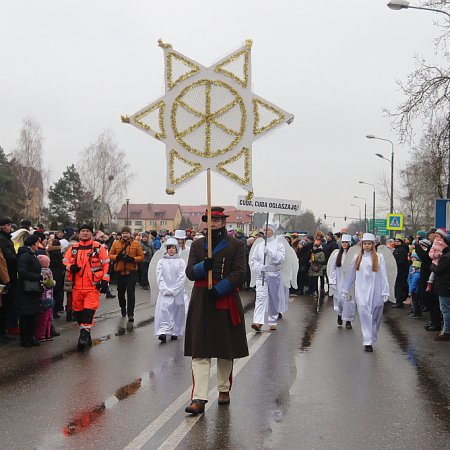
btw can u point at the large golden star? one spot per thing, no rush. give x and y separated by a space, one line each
208 117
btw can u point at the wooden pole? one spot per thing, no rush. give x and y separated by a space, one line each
208 194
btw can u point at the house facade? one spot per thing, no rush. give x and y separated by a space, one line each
149 216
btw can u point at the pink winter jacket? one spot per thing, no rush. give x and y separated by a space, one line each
436 250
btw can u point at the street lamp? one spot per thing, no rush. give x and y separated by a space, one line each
371 136
128 202
373 204
365 211
403 4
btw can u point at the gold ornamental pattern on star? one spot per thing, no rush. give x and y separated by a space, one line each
208 117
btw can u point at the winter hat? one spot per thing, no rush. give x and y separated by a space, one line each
125 230
414 255
40 235
426 243
422 234
30 240
399 237
25 223
69 230
310 237
5 221
441 232
44 260
87 226
144 234
368 237
346 238
417 264
330 233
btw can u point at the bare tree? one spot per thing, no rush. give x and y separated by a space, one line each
104 172
27 166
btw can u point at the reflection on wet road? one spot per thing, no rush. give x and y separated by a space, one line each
306 385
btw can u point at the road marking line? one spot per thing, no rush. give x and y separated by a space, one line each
142 438
183 429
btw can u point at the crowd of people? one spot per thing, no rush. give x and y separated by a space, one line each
44 274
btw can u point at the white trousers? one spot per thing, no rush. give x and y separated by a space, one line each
267 297
200 376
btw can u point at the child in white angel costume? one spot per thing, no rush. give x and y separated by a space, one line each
368 272
170 318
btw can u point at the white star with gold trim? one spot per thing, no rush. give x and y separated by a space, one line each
208 117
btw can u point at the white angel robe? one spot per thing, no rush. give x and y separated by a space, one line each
268 295
346 309
170 317
371 291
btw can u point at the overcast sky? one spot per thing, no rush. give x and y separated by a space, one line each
76 66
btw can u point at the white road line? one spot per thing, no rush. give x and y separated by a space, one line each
183 429
142 438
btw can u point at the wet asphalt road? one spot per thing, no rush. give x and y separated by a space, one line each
308 385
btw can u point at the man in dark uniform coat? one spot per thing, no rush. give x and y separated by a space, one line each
215 326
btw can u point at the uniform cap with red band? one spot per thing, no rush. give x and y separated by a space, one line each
216 211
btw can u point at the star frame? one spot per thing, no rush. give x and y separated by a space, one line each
208 117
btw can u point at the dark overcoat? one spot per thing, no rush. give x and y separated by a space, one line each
209 331
28 268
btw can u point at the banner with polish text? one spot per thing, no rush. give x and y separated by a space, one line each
270 205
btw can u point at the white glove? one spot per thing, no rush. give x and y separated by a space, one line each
266 250
385 298
345 296
264 268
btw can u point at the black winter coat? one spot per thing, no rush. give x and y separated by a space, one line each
329 247
442 271
401 258
28 268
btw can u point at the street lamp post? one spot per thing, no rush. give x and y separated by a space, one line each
365 212
128 202
403 4
371 136
373 204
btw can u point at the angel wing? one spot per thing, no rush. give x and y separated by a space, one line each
152 274
252 250
330 268
352 252
289 268
391 268
188 284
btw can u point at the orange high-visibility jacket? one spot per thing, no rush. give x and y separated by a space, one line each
93 260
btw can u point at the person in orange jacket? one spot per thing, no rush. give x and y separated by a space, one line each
87 263
126 255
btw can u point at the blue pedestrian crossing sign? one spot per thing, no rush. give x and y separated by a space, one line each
394 222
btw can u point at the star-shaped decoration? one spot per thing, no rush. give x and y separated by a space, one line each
208 117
